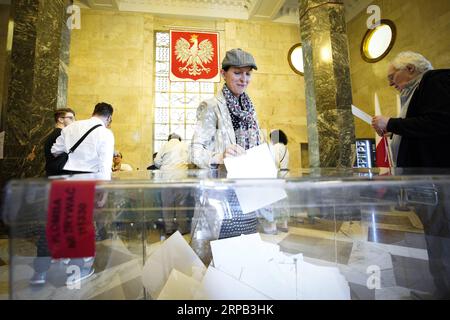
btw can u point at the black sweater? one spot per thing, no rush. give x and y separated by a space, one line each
425 130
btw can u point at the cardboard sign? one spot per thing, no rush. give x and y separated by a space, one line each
70 224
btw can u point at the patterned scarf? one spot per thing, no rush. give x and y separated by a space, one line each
241 109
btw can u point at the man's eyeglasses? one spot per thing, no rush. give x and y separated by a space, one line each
68 117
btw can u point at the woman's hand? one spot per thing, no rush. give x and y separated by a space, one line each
233 150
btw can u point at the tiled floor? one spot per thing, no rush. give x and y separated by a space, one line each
398 238
396 249
318 248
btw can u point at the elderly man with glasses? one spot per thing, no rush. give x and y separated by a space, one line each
421 132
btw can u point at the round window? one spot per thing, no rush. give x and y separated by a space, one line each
295 58
377 42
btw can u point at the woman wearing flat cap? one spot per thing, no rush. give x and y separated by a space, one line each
226 127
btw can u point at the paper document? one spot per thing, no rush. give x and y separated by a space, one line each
361 115
254 198
217 285
257 162
174 253
179 287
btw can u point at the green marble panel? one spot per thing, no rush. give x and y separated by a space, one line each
327 83
37 82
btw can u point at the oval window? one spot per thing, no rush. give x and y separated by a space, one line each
378 42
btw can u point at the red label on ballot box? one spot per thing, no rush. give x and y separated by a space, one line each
70 224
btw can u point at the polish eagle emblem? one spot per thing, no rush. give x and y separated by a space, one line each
194 57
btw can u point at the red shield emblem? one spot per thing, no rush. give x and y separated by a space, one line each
194 56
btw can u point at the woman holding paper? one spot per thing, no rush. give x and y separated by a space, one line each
226 127
227 124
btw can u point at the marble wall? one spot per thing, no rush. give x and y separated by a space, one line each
4 17
331 131
112 60
422 26
33 85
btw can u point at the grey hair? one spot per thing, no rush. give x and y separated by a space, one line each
409 57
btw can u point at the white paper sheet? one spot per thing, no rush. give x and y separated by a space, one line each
257 162
176 253
217 285
361 115
179 287
321 283
233 254
254 198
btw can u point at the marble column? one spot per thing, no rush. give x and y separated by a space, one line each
331 130
37 83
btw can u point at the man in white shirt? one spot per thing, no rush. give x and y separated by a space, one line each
172 160
95 153
173 155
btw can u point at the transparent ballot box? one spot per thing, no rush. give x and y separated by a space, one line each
319 234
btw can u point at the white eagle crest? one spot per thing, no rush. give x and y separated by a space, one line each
194 56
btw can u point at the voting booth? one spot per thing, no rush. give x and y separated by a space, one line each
320 234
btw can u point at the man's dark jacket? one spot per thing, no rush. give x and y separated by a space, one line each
425 130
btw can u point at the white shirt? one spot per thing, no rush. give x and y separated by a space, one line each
280 154
94 154
173 155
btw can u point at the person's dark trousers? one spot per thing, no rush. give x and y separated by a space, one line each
175 213
436 223
43 256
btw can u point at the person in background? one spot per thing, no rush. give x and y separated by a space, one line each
280 154
279 150
172 160
152 166
41 264
63 117
422 128
420 138
172 155
94 154
118 165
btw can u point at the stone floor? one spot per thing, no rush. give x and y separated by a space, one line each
392 243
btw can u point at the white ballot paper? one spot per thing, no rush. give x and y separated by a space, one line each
322 283
217 285
179 287
361 115
174 253
256 163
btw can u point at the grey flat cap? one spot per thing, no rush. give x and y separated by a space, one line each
238 58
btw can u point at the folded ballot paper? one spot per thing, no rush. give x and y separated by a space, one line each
174 253
257 162
243 267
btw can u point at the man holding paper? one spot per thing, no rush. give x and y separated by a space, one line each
421 133
420 139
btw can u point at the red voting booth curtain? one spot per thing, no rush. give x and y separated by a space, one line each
194 56
382 153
